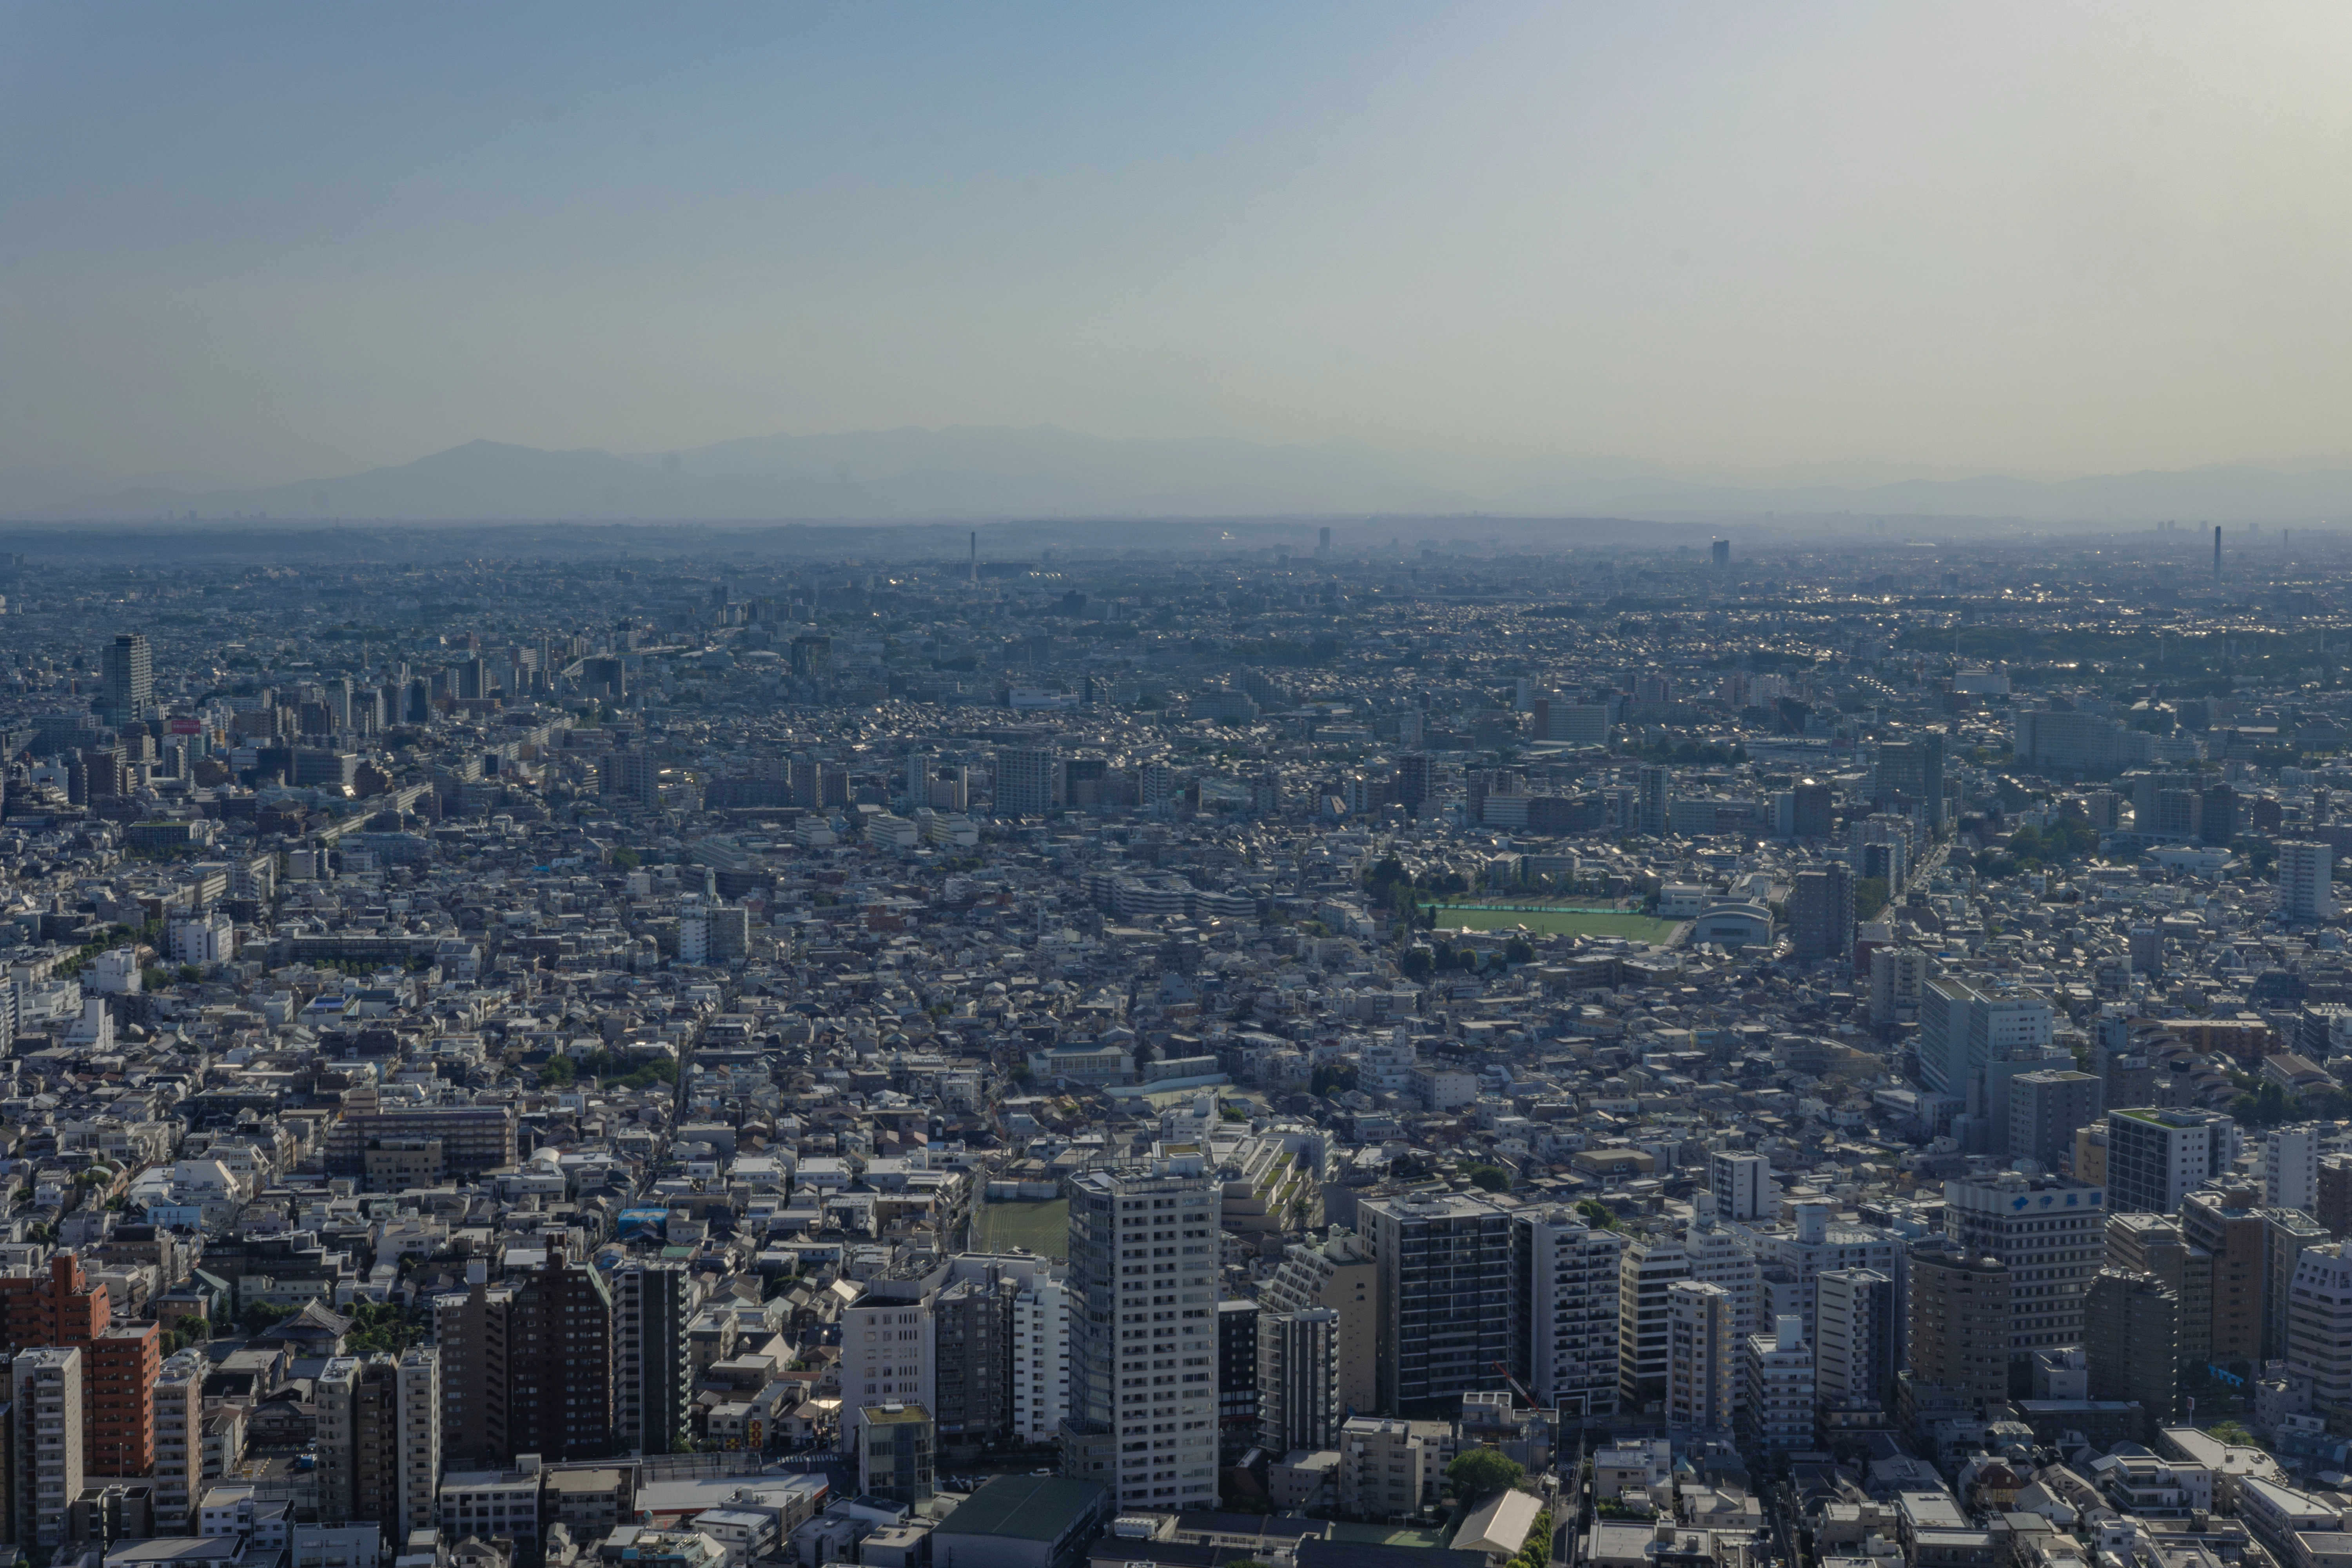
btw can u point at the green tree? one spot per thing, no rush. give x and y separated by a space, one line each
1599 1212
256 1316
382 1326
625 858
1482 1472
2265 1107
1518 950
1417 964
1489 1178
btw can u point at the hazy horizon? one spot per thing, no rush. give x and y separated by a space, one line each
1818 246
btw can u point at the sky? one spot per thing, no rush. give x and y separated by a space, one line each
1795 243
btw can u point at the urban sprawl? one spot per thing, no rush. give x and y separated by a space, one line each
1384 1053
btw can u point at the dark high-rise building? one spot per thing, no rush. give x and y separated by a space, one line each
2131 1342
811 658
1814 808
1238 1368
1445 1288
1415 780
631 775
603 676
559 1362
527 1366
2153 1244
1821 911
1960 1323
975 1358
380 1440
2044 1109
1296 1380
1026 780
2219 824
128 691
653 1374
1931 776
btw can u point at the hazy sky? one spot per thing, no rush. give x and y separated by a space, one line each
1783 242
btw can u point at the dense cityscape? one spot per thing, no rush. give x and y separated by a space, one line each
1285 1049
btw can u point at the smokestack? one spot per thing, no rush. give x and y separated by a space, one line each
2216 552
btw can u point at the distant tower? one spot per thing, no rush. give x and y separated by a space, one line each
975 558
1323 543
1722 551
128 680
2216 552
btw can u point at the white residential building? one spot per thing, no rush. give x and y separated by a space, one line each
2319 1327
1569 1307
1777 1407
2307 881
1742 1185
1701 1374
46 1468
1041 1359
179 1432
2290 1166
889 1346
1797 1257
1857 1337
1143 1333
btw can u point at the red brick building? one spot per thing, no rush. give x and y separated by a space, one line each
120 1362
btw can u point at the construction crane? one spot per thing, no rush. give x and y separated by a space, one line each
1520 1388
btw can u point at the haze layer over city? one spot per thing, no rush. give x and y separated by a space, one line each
1313 787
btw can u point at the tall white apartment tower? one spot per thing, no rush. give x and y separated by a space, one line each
1567 1309
1702 1375
1855 1345
179 1438
47 1387
418 1394
1143 1333
2307 881
2291 1167
1041 1359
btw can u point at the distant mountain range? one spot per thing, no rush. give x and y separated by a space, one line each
1041 472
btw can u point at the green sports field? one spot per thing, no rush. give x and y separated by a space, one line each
1043 1227
1541 922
